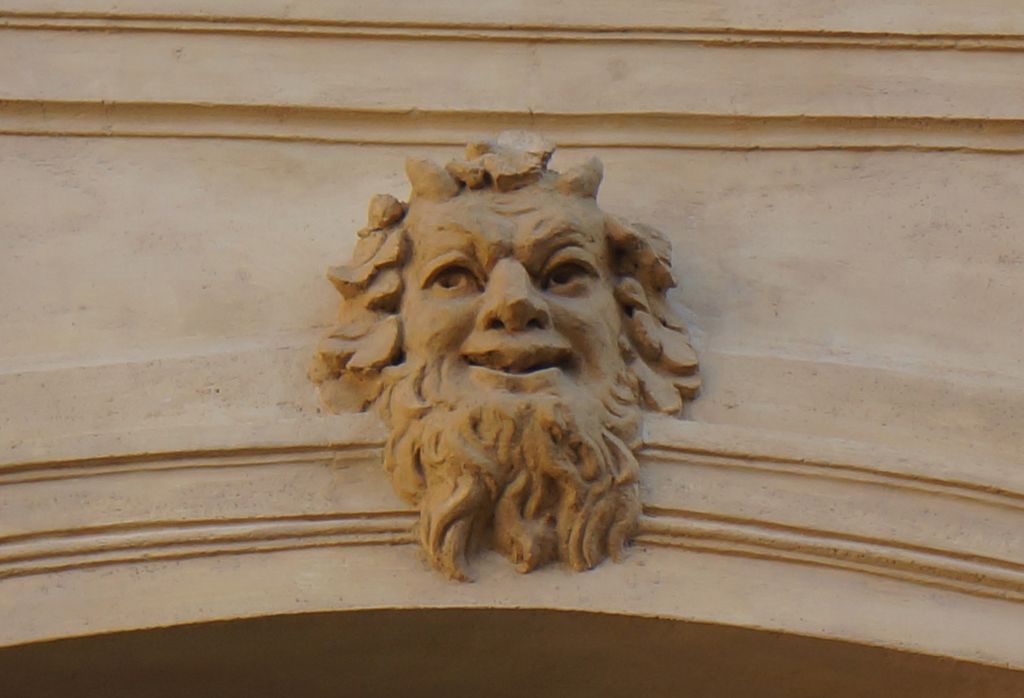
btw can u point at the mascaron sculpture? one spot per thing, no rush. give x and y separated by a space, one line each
510 335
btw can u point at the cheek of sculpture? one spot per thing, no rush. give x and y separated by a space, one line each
592 326
434 328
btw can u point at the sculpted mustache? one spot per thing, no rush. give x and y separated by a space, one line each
519 358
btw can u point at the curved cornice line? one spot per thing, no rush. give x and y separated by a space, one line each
695 476
47 552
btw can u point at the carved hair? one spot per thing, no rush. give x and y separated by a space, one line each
538 478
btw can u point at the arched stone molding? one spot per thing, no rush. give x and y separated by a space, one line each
830 539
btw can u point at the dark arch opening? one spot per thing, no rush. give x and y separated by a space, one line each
487 652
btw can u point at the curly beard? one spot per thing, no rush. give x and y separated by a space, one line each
538 476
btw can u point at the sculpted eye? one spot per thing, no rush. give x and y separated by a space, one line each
566 277
455 279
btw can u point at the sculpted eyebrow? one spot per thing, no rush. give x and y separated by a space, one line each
481 244
448 237
544 245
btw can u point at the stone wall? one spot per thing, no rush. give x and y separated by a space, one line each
842 187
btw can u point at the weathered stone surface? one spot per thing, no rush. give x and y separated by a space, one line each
384 211
527 354
840 183
429 181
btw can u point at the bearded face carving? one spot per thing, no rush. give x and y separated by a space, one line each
510 334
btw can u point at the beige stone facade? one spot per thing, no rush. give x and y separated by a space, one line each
839 512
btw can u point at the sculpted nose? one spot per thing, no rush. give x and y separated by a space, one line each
511 302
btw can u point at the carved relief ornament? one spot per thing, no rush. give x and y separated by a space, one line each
510 334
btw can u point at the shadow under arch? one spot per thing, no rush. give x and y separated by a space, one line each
492 652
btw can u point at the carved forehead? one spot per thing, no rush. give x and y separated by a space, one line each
503 222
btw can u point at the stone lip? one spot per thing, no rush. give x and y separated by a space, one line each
520 354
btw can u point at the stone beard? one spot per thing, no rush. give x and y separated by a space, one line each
542 477
509 333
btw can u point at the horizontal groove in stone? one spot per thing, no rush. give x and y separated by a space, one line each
98 467
845 472
769 554
184 551
666 520
133 542
752 37
311 454
41 552
948 569
425 127
432 73
55 551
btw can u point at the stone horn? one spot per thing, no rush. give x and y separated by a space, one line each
429 180
583 180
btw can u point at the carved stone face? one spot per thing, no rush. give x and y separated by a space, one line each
513 291
509 333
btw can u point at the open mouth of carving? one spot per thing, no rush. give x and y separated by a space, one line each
524 364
